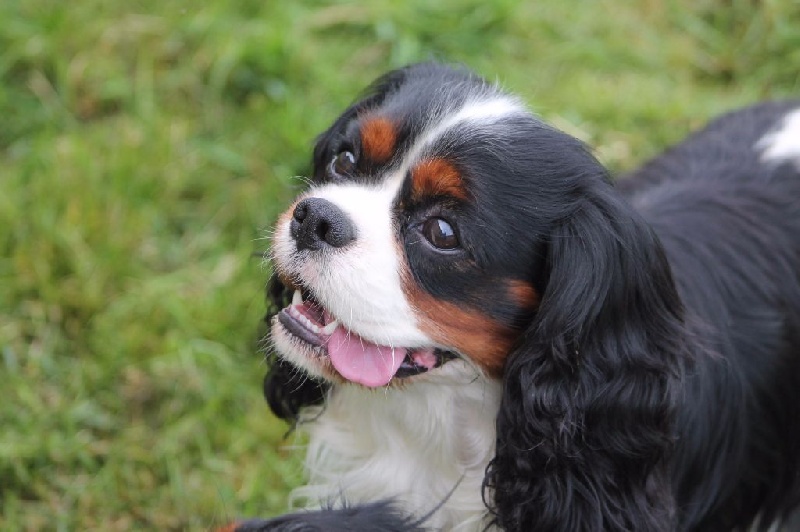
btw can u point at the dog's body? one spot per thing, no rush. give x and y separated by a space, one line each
726 207
528 347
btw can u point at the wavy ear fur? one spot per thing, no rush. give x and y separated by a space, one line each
586 423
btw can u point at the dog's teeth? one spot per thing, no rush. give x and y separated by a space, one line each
297 298
310 325
329 328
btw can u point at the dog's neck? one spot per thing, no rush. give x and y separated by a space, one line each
424 444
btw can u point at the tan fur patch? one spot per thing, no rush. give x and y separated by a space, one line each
378 139
483 339
523 294
436 177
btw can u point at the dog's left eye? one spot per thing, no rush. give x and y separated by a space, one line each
342 165
440 233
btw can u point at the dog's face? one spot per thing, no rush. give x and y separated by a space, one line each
423 236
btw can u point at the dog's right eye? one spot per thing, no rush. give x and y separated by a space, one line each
342 165
440 233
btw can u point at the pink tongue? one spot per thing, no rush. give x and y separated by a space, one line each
361 361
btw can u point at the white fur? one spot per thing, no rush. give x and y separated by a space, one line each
474 113
784 143
414 444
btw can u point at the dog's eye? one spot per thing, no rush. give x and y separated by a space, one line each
342 165
440 233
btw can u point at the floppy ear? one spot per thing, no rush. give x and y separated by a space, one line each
585 425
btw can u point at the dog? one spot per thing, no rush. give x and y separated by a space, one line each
478 329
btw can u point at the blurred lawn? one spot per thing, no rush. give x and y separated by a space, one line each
145 148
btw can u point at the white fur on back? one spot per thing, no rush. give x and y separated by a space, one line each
414 444
784 143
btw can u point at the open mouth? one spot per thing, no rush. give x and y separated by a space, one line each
354 358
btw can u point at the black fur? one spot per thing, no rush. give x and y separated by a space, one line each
730 224
585 429
657 386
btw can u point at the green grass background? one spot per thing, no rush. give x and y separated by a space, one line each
146 147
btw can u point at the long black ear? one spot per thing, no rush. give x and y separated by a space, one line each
586 422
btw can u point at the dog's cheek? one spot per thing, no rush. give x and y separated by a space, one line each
485 341
482 338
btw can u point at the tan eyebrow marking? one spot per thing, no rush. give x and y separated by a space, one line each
378 139
436 177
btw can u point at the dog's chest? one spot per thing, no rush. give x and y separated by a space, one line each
425 445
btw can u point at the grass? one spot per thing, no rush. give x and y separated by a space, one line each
145 148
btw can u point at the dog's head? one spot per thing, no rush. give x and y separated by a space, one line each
444 221
424 235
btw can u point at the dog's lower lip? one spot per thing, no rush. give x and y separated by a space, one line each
298 329
306 320
409 367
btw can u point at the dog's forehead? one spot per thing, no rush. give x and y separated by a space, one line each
421 139
426 112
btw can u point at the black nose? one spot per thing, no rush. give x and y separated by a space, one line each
317 223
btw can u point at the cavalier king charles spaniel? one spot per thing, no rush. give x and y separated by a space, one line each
478 329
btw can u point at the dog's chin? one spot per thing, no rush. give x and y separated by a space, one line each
306 334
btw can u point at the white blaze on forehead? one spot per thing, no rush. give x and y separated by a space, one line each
784 143
474 113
